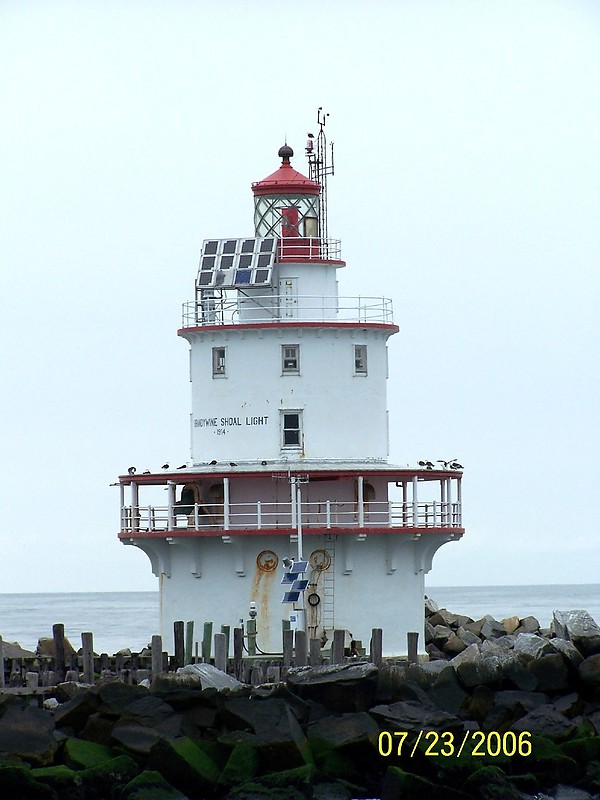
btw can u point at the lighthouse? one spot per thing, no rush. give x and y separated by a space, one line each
289 508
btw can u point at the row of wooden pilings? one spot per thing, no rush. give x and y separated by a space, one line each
298 651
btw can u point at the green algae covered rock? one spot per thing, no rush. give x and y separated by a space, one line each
81 754
300 777
547 762
254 791
490 783
17 783
106 780
185 765
67 783
400 784
150 785
242 765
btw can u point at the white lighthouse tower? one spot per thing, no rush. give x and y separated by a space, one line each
289 444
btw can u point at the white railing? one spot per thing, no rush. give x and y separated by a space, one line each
308 248
229 308
270 516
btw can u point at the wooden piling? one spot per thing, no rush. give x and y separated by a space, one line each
179 643
301 650
337 648
221 652
87 648
288 647
157 660
251 637
314 652
189 641
238 652
226 630
412 644
206 642
376 654
1 664
58 634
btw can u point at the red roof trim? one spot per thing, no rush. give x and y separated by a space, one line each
274 325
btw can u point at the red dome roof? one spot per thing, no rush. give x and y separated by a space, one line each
286 180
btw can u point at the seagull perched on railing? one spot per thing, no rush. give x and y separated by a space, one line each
131 470
456 465
445 463
165 466
426 464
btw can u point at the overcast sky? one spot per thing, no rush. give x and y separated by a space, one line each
466 189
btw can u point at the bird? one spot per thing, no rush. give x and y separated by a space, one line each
183 466
146 472
456 465
264 463
213 462
131 470
445 463
114 484
426 464
165 466
232 464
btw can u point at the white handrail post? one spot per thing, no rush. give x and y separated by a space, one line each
459 500
361 507
226 504
258 515
170 505
122 504
135 512
328 514
196 516
293 500
449 500
415 503
299 520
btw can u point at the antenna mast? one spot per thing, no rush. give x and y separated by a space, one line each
319 169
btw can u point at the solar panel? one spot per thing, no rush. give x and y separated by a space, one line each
288 577
291 597
298 567
299 586
230 263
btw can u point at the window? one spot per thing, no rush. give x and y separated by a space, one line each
311 227
291 428
360 359
290 358
218 362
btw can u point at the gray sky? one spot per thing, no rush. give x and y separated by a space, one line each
466 189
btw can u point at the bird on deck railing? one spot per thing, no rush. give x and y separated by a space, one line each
183 466
165 466
445 464
146 472
426 464
213 462
456 465
131 470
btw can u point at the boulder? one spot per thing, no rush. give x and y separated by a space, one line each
491 628
185 765
470 654
28 732
345 730
545 721
480 670
339 687
150 785
510 624
45 647
569 652
578 627
137 739
210 676
446 692
589 670
530 645
14 650
454 645
466 636
430 606
550 673
108 779
407 715
528 625
443 617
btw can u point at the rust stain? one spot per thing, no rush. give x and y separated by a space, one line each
266 564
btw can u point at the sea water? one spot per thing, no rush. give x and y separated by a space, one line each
129 619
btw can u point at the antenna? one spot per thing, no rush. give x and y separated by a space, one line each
319 169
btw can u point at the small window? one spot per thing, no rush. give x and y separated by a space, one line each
291 429
218 362
290 358
311 227
360 359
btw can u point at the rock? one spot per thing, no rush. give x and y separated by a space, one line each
210 676
470 654
45 647
79 754
454 645
17 783
115 696
27 732
185 765
138 739
491 628
447 693
339 687
530 645
67 783
545 721
430 606
511 705
466 636
474 627
589 670
478 671
408 715
425 675
479 704
429 633
441 634
14 650
107 779
550 673
400 784
561 792
342 731
75 712
528 625
242 765
444 618
150 785
569 652
578 627
510 624
490 783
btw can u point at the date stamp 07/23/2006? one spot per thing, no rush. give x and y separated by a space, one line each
450 745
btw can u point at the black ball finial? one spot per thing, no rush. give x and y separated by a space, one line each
285 152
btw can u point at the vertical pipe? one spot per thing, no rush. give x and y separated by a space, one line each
299 520
443 500
258 515
459 500
449 499
251 632
293 500
412 645
196 516
226 504
361 505
328 514
404 503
